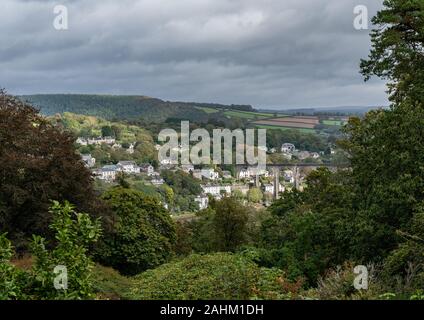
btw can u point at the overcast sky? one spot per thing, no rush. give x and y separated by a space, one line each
268 53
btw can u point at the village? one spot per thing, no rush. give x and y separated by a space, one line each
214 181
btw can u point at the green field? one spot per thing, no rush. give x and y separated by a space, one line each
333 122
305 130
207 110
247 114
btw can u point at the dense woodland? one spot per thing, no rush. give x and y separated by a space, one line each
123 244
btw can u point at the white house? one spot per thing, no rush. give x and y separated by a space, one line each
253 172
203 201
289 176
210 174
245 173
128 167
260 172
315 155
269 188
214 190
107 173
147 168
88 160
131 149
288 148
101 140
166 162
82 141
187 168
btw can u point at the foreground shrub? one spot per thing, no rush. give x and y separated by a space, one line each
11 278
74 233
142 236
211 277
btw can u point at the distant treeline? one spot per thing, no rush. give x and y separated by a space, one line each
123 107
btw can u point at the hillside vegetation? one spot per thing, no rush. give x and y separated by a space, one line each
124 107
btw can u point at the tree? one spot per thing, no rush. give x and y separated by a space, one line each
168 194
107 131
255 195
238 194
397 49
38 163
311 231
142 235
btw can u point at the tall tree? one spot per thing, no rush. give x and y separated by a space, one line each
397 52
38 164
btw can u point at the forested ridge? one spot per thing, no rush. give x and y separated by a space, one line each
122 107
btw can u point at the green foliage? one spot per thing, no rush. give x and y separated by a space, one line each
107 131
222 227
115 107
109 284
396 53
229 224
181 182
302 140
142 233
38 163
255 195
312 231
10 277
75 232
210 277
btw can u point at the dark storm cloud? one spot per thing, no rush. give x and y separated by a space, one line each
269 53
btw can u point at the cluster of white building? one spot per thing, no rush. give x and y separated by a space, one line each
289 150
105 140
109 172
96 141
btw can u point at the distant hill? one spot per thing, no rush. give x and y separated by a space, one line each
124 107
345 110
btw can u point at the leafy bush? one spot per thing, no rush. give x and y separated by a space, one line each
142 236
10 277
215 276
74 233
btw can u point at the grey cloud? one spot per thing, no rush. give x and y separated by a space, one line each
269 53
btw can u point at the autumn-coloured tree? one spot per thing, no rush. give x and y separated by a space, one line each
38 164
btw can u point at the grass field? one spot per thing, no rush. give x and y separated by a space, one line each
333 122
207 110
247 115
305 130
